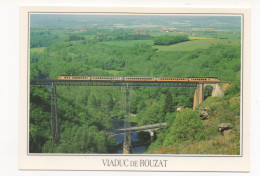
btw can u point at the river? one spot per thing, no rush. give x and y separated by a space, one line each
140 139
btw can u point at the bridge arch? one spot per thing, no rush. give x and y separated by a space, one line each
216 92
199 92
208 90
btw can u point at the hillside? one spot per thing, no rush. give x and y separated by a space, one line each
217 130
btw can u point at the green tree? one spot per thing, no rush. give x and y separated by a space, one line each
168 104
187 126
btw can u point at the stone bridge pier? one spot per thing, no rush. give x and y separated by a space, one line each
199 93
152 133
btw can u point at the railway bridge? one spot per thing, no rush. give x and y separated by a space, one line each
197 83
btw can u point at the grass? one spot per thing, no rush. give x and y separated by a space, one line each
196 44
220 145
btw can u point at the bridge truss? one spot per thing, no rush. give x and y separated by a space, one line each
111 83
127 85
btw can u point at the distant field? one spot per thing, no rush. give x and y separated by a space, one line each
128 42
37 50
200 38
196 44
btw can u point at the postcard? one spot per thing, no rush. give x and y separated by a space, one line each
134 89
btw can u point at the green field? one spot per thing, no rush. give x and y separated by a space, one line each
184 46
196 44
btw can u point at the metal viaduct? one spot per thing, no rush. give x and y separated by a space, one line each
198 98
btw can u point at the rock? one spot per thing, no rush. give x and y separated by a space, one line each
224 127
203 112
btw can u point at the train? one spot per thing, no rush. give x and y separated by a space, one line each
136 79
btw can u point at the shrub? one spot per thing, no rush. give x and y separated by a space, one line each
187 126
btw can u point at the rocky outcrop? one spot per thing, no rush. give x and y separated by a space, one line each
225 128
203 112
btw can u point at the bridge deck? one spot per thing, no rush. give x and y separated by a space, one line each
114 83
138 128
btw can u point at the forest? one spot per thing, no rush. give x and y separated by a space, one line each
86 113
169 40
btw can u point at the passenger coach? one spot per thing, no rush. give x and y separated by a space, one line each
148 79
